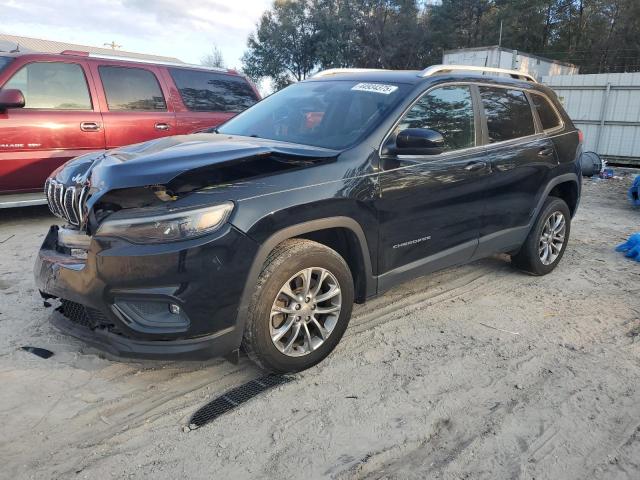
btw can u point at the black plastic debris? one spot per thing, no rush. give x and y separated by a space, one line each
41 352
235 397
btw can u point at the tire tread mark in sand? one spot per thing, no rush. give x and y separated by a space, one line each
436 451
130 414
546 439
406 307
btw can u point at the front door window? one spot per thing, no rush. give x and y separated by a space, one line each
52 86
448 110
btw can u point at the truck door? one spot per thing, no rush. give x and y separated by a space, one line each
59 121
134 105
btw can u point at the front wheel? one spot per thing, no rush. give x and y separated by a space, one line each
301 307
547 240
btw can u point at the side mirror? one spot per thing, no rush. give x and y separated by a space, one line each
419 141
11 98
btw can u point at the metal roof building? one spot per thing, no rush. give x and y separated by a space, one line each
10 43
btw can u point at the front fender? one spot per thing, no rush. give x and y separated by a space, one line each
297 230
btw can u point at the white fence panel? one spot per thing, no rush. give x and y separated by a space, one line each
606 107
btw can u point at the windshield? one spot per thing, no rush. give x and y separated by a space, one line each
330 114
4 61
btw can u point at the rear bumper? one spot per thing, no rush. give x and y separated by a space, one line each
203 277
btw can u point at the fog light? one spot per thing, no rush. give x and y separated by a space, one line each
151 315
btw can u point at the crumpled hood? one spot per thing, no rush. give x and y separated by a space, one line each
160 161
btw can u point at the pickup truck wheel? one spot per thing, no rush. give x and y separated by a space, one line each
547 240
301 307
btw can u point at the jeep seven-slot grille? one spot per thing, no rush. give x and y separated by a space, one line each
66 202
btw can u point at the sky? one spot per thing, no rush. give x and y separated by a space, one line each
182 29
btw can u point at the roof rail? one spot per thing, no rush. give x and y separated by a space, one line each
334 71
156 62
435 69
79 53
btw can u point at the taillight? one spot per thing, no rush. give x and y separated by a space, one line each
580 136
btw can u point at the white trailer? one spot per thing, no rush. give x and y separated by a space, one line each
500 57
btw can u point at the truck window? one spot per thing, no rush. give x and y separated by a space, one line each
448 110
4 61
508 113
213 92
546 113
52 85
129 88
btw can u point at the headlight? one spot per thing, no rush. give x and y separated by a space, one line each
142 227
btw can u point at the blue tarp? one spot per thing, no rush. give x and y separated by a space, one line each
631 247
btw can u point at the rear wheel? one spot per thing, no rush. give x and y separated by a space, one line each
301 307
547 240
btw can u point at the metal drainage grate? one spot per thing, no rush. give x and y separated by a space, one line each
235 397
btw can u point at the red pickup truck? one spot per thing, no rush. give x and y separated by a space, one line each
54 107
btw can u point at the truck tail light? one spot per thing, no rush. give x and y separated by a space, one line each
580 136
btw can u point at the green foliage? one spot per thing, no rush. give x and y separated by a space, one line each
284 45
298 37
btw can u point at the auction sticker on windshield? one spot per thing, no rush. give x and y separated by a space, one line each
375 87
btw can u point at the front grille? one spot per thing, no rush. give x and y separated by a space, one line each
67 202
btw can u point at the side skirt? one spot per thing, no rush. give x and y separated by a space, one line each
457 255
499 242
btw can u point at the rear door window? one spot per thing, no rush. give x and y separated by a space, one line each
52 85
448 110
134 89
213 92
508 114
546 113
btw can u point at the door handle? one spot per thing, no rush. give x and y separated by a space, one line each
545 152
90 126
162 126
474 166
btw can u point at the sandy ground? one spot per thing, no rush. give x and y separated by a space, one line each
428 381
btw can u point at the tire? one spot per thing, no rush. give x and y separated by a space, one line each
286 266
530 258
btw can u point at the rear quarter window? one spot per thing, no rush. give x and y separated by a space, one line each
508 114
213 92
129 88
546 113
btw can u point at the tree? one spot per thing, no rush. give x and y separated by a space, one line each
213 59
297 37
283 46
337 37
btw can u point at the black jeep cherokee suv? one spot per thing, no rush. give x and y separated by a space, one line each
263 233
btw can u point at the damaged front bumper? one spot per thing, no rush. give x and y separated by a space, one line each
177 300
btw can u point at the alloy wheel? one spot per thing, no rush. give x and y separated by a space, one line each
552 238
305 311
